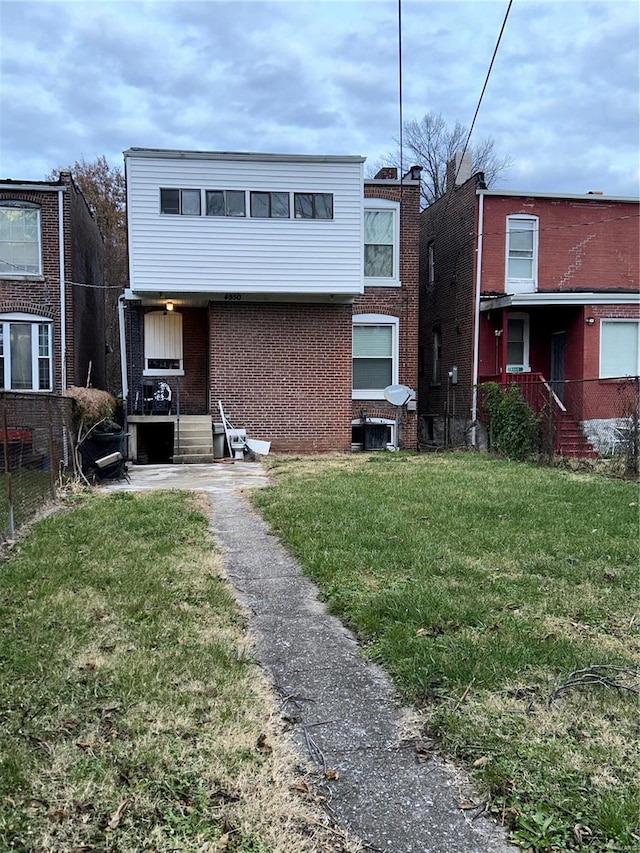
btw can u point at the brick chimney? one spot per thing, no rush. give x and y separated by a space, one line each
387 173
458 169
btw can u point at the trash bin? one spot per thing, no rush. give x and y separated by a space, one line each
104 444
375 436
218 441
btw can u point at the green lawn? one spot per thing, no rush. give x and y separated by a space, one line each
132 717
481 585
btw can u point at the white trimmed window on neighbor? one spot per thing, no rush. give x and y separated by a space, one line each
26 362
522 254
20 252
375 355
381 241
163 354
619 348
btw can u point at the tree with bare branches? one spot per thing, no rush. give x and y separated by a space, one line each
104 189
432 143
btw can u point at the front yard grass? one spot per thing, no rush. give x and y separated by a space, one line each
480 585
131 716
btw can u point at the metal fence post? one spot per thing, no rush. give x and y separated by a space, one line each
7 474
633 448
52 464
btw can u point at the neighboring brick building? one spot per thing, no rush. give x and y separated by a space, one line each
251 275
534 288
51 288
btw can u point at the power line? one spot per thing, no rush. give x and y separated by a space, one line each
477 110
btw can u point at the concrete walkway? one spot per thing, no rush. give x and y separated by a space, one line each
341 709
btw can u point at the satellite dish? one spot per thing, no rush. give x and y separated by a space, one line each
398 395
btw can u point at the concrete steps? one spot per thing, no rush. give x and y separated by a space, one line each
193 440
570 440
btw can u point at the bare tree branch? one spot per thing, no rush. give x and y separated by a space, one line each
431 143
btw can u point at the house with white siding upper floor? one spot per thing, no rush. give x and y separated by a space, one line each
285 286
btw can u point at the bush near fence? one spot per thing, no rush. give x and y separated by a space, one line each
34 454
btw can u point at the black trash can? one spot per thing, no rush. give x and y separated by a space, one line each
100 445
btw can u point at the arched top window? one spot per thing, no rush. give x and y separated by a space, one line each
20 241
375 355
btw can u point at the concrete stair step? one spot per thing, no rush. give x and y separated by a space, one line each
192 458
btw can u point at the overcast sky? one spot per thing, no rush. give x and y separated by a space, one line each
80 79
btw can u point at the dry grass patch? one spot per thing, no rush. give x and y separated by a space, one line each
134 717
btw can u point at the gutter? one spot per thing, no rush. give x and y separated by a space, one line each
63 292
476 323
123 351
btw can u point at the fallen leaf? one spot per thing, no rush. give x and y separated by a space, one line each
223 841
482 761
300 788
581 833
115 818
331 774
263 746
465 805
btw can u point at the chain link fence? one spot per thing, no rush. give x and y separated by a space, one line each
587 419
35 455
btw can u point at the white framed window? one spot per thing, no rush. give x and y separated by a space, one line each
522 254
225 203
163 355
26 358
518 343
619 348
381 242
179 202
20 249
269 205
358 432
313 205
375 355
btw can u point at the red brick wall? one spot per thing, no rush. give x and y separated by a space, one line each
41 294
448 302
399 302
583 245
283 372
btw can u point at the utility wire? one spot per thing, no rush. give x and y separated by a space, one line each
475 115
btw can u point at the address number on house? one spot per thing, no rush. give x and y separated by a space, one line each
232 297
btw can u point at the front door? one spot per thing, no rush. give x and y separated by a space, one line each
557 364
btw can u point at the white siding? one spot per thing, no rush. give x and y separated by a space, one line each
200 254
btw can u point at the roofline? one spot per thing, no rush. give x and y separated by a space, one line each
384 182
33 186
178 154
571 196
559 298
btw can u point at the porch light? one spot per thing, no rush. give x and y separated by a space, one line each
590 321
169 306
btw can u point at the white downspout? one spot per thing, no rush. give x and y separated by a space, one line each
123 351
476 324
63 292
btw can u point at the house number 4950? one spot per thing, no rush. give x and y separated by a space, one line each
232 296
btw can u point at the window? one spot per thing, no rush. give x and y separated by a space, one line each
522 253
375 355
225 203
518 343
436 354
26 362
431 263
381 237
313 205
619 349
270 205
180 202
19 239
163 344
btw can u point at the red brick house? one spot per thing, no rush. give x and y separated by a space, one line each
285 286
534 288
51 288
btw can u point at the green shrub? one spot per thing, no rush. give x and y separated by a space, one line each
513 426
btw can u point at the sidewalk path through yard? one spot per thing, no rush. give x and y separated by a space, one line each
341 708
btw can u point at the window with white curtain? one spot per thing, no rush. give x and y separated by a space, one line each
619 348
163 344
26 359
522 254
381 239
19 238
375 355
